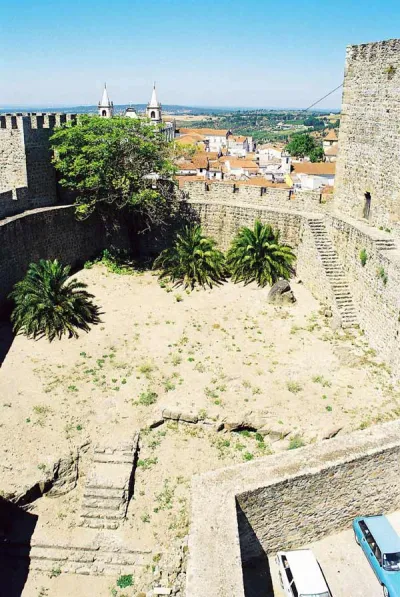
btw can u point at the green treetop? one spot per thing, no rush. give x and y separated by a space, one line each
106 161
303 145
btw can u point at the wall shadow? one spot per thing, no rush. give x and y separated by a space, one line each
255 566
6 339
16 530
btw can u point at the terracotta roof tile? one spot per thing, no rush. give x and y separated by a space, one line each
331 136
315 169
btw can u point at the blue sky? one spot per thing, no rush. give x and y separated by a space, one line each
227 53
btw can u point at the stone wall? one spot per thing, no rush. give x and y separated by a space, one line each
369 140
27 176
278 198
288 499
374 286
50 233
223 220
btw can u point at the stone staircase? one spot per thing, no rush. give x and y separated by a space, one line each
334 272
385 244
90 560
109 485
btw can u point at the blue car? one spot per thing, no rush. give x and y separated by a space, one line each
381 545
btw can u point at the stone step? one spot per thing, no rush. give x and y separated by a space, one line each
108 514
108 493
103 503
99 523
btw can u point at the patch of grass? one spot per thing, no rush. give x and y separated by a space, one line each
294 387
325 383
146 368
382 275
329 408
147 463
54 572
165 497
148 398
126 580
296 442
178 298
145 517
176 359
248 456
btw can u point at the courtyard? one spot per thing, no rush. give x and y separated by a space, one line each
217 354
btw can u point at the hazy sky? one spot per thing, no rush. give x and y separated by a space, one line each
226 53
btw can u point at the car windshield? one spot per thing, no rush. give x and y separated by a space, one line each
391 561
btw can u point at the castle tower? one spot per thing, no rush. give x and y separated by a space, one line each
106 108
154 109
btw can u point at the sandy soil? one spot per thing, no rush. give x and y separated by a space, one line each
218 353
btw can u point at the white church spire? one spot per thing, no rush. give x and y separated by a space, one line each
153 110
106 107
153 102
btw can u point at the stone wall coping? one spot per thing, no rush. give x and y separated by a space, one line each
29 212
289 212
214 566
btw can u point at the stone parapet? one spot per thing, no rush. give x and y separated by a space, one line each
288 500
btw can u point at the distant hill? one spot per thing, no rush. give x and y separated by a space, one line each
120 109
171 109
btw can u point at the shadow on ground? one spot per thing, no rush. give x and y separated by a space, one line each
255 566
6 339
16 530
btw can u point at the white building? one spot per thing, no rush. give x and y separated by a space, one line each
309 176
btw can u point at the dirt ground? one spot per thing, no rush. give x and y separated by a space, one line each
217 353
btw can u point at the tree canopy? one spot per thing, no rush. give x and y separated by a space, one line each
106 161
301 146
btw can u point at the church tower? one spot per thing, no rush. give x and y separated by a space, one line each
106 108
154 110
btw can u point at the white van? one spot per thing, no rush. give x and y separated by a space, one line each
300 574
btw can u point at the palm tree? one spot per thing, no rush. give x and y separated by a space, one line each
258 256
192 259
46 304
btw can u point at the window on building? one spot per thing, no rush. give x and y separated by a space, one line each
153 114
104 113
367 205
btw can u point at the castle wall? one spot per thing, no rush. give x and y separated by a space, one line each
374 286
286 500
50 233
221 221
266 197
27 176
369 140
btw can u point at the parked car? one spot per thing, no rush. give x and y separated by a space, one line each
381 545
300 574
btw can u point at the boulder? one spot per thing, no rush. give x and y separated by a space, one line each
275 433
281 293
168 413
189 418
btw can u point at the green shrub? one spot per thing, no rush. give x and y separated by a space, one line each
382 275
126 580
296 442
258 256
192 259
48 304
363 257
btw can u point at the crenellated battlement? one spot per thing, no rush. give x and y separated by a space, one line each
34 120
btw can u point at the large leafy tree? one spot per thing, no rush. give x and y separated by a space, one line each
192 259
111 161
48 304
301 145
258 256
